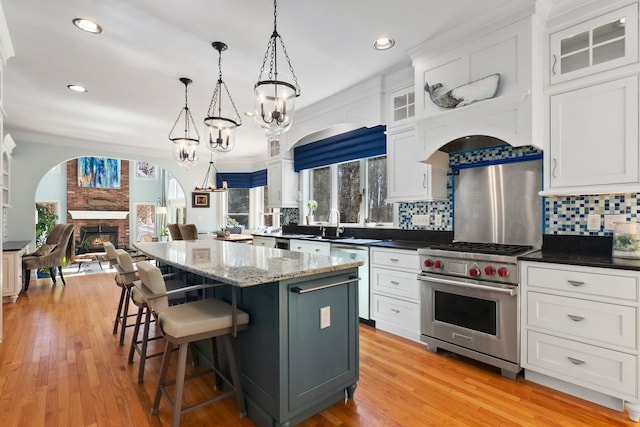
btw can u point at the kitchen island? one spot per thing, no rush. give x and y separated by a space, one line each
300 352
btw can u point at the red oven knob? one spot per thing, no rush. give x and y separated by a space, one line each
489 271
428 263
503 272
437 264
474 272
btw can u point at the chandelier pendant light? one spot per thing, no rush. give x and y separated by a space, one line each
209 181
185 143
221 124
275 91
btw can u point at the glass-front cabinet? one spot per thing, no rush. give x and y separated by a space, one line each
596 45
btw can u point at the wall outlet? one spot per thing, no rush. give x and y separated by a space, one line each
437 220
593 222
420 219
610 219
325 317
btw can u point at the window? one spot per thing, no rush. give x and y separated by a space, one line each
239 205
269 215
357 189
321 190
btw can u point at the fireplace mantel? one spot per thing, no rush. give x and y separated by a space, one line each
99 214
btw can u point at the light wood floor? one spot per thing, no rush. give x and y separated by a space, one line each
61 366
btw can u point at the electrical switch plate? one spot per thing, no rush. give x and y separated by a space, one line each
420 219
610 219
593 222
437 220
325 317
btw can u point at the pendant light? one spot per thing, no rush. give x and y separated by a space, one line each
221 124
209 181
185 145
275 91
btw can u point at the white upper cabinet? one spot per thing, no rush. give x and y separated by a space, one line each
411 175
593 145
282 184
596 45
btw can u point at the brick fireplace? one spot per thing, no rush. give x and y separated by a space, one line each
98 209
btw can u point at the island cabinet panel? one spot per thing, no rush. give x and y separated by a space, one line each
300 352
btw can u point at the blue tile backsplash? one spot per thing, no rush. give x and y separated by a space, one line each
445 208
562 215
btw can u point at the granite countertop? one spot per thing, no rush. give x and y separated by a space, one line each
586 251
14 245
241 265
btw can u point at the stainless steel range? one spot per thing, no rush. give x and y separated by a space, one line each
469 289
469 302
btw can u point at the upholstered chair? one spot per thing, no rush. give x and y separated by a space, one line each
174 231
188 231
182 324
51 254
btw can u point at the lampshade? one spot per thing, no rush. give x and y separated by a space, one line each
161 210
221 122
275 91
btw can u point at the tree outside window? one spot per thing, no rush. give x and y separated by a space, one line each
321 190
349 196
239 205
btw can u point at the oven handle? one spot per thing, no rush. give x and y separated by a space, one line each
511 292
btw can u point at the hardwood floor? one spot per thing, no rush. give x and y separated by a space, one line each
61 366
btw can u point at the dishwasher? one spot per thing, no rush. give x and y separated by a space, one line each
359 253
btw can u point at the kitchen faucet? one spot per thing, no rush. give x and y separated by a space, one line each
339 229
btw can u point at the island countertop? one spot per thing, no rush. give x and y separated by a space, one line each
239 264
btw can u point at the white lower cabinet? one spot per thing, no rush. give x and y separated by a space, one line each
580 332
12 273
395 292
265 241
307 246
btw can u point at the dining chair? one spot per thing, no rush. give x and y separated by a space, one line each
174 232
188 231
182 324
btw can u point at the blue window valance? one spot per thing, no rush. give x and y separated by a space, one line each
242 179
356 144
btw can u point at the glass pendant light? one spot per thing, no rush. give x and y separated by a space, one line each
185 149
221 123
275 91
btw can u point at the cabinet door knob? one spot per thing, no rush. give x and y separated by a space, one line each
575 361
555 62
575 318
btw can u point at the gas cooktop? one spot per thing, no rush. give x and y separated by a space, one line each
483 248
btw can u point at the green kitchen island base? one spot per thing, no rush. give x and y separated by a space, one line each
300 354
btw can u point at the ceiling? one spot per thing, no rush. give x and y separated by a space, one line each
131 70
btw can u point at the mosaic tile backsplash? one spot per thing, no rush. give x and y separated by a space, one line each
445 209
562 215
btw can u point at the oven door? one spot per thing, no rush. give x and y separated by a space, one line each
480 316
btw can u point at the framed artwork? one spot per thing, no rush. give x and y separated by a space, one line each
146 170
145 221
98 172
200 200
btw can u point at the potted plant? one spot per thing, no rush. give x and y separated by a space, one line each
312 205
164 233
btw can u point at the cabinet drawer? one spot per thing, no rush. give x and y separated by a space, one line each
589 281
583 364
402 313
317 248
606 323
397 259
395 283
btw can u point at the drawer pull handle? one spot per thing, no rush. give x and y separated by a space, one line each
575 361
394 259
575 283
575 318
393 282
395 310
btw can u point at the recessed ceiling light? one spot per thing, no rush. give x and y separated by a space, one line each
77 88
87 25
384 43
